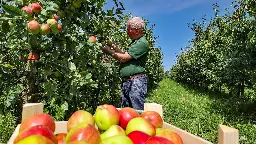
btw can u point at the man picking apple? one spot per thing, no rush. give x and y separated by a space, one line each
132 64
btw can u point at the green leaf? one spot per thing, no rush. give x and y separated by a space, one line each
5 26
12 10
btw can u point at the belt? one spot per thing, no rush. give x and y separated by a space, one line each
133 76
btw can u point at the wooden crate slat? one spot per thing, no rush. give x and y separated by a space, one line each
187 137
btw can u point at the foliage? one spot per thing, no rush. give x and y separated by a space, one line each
200 112
72 73
222 54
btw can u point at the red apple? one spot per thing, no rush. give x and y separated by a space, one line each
138 137
80 117
35 7
61 138
92 39
170 135
36 139
54 16
37 130
126 114
84 132
158 140
153 117
59 26
28 10
105 116
34 27
38 119
45 29
140 124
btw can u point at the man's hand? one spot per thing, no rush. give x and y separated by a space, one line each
121 56
107 49
115 47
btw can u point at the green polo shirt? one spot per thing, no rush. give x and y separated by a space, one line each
139 51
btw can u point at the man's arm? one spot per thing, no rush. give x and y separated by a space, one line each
120 56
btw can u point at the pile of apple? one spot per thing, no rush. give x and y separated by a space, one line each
35 27
107 126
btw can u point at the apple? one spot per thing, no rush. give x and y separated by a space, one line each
158 130
38 119
170 135
112 131
105 116
77 142
36 130
28 10
61 138
35 7
84 132
158 140
138 137
126 114
34 27
52 23
92 39
153 117
140 124
117 139
54 16
80 117
45 29
36 139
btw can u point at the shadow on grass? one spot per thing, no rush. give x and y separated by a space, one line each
233 109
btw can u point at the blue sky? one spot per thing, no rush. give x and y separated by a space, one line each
171 18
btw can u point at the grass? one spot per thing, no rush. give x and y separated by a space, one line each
200 112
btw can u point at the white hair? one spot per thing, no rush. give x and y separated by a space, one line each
136 23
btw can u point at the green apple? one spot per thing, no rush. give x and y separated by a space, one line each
140 124
117 139
112 131
105 116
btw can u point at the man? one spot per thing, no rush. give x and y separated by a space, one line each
132 65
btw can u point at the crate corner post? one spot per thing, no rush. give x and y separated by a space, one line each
227 135
31 108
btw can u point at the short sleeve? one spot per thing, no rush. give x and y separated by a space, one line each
138 49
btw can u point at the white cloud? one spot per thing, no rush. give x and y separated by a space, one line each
147 7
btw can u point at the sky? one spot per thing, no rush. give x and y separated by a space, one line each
171 18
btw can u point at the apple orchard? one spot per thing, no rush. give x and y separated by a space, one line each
50 53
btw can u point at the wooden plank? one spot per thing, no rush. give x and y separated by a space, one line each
187 137
14 134
32 108
61 127
154 107
227 135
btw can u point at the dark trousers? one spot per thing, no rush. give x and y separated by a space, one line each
133 92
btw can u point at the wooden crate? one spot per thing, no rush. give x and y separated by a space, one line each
226 135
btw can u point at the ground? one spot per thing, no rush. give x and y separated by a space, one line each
200 112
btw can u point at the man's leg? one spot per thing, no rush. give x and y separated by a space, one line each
125 87
138 92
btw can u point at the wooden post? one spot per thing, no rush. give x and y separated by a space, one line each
31 108
227 135
154 107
